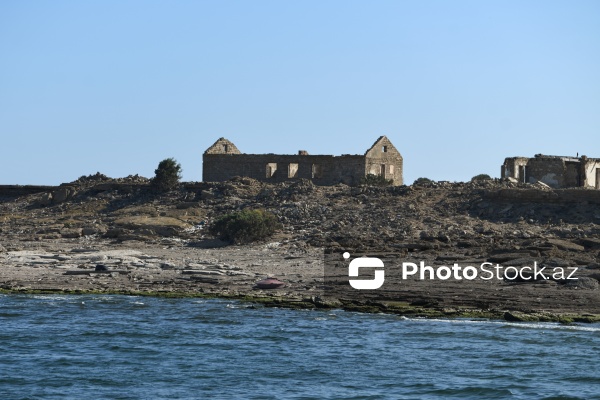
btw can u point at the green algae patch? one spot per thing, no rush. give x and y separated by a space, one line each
566 318
587 318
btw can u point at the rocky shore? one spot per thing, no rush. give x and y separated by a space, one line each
158 244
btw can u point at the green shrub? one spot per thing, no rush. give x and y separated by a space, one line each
245 226
167 175
422 181
376 180
481 177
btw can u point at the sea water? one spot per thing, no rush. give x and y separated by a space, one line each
122 347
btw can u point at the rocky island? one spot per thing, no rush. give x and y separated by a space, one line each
103 235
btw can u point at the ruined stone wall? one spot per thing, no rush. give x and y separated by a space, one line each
550 170
19 190
591 172
384 159
514 167
321 169
223 161
555 171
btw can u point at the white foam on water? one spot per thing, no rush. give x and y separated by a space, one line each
52 297
528 325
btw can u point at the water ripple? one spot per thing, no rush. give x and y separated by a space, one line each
122 347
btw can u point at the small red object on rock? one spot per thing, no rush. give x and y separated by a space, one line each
270 283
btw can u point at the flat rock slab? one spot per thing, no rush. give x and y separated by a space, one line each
201 272
566 245
526 261
205 279
501 258
88 272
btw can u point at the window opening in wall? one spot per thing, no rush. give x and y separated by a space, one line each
391 169
271 168
225 148
293 170
382 170
384 149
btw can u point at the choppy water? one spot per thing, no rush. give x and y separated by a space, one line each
120 347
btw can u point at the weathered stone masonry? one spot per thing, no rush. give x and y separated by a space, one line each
555 171
223 161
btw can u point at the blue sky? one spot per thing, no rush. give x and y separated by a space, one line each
117 86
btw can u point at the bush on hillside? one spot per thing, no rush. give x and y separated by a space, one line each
422 181
167 175
481 177
245 226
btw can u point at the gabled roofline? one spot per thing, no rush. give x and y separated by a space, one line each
378 143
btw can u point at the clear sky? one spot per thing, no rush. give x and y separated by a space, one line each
457 86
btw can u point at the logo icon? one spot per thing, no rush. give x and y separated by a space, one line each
365 262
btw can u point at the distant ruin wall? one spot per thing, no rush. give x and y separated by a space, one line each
544 196
551 171
57 194
555 171
321 169
19 190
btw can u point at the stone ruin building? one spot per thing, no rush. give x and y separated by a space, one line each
223 161
554 171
